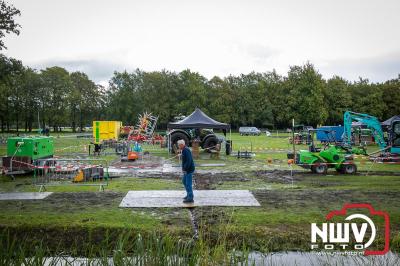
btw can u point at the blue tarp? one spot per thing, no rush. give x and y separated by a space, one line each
336 135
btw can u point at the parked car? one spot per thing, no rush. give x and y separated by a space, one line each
248 131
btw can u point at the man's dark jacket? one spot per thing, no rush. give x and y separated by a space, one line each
187 161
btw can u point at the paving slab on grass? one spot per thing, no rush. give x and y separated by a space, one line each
24 195
174 198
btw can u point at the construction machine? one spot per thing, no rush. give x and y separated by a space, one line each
331 155
389 150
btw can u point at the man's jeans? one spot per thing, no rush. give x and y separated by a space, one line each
187 182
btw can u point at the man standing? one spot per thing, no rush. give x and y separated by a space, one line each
188 169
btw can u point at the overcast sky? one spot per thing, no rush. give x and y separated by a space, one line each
344 37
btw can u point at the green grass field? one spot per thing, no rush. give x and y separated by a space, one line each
288 205
272 149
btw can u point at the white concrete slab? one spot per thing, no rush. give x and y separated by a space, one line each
24 195
174 198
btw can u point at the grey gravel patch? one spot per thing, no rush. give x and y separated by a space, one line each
173 198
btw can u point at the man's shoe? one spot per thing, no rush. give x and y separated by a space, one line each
185 198
188 201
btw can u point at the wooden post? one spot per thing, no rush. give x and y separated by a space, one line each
195 149
294 145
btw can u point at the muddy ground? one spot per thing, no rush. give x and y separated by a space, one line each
147 162
209 220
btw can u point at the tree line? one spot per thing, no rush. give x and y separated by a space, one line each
55 98
261 99
52 97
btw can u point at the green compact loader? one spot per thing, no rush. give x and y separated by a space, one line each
319 160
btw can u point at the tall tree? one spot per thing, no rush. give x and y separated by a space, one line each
124 99
30 84
276 100
83 99
391 97
337 99
57 85
7 21
221 100
252 100
10 72
192 92
160 89
306 98
367 98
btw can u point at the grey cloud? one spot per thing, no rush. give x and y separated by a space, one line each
97 70
259 53
376 69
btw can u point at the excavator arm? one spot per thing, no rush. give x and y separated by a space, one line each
370 121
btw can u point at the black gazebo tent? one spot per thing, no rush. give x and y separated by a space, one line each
198 119
388 122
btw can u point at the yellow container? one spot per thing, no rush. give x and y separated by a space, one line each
106 130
